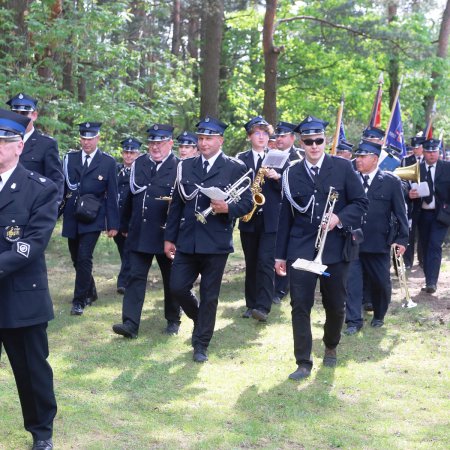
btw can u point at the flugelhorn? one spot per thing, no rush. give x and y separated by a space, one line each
409 173
401 273
317 266
233 195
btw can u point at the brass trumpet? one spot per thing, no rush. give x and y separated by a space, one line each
317 266
401 273
233 195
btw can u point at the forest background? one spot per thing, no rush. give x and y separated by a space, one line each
129 64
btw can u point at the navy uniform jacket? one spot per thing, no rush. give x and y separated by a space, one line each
216 236
271 189
296 153
123 186
28 210
144 215
99 179
409 160
40 154
441 186
385 198
297 232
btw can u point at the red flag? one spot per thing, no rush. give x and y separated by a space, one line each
375 116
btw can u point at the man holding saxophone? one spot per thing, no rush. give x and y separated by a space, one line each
306 187
258 228
199 231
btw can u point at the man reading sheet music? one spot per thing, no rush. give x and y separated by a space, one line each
306 185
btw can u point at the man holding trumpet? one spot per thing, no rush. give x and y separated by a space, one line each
199 231
306 186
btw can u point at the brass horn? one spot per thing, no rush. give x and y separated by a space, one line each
409 173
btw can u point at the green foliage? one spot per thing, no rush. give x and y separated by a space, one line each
119 53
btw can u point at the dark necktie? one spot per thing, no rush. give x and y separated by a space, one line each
315 173
365 181
1 186
155 167
205 168
85 164
258 164
429 198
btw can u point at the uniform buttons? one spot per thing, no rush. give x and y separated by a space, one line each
31 173
317 204
315 191
145 208
13 221
201 184
34 285
145 220
318 217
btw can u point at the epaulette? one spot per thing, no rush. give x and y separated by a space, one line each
73 150
236 160
51 138
241 153
107 154
391 174
38 177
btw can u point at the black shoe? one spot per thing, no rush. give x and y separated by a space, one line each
430 289
301 373
368 307
276 300
330 358
121 290
351 330
259 315
77 309
376 323
124 330
42 445
171 328
200 355
247 314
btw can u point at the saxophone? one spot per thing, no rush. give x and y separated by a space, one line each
258 197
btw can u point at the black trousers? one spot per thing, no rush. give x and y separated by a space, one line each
377 281
353 306
185 270
259 252
334 294
124 252
432 235
27 350
133 300
81 251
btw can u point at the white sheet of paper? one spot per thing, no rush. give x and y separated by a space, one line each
422 188
213 193
275 159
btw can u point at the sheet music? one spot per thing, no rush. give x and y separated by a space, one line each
213 193
275 159
422 189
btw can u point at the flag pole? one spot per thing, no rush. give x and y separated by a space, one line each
377 102
338 127
394 104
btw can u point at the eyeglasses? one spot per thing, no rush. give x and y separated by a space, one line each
309 142
260 133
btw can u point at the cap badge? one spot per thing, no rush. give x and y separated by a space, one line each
185 133
207 119
21 96
309 119
155 127
88 125
130 140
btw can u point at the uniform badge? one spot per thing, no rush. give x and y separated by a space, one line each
13 233
309 119
100 177
88 125
23 249
21 96
207 119
185 133
13 186
155 127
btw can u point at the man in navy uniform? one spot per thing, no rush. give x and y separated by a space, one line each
374 135
144 218
285 140
187 145
306 187
130 151
40 153
28 212
386 201
344 149
89 171
258 234
431 211
203 247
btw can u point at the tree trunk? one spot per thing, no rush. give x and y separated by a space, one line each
393 66
442 50
212 33
271 54
193 33
176 27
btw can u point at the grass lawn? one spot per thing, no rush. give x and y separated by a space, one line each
391 387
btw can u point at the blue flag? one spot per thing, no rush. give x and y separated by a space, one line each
394 136
342 132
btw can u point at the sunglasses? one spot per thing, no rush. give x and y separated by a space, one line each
309 142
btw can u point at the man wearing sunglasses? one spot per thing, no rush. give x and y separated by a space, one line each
306 186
